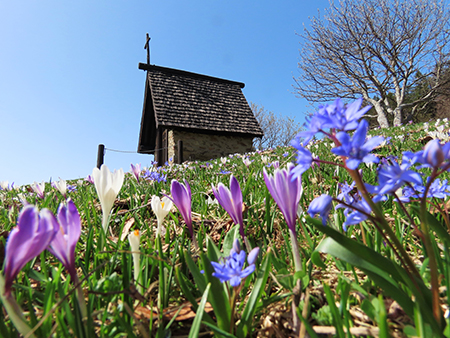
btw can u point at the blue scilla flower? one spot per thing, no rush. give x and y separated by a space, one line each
71 188
154 176
375 191
346 189
304 160
321 205
356 149
356 210
313 125
344 118
438 189
333 116
434 155
232 267
392 176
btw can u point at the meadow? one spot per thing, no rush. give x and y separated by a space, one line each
143 268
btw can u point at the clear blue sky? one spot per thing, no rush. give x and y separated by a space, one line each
69 77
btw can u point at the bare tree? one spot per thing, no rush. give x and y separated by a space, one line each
278 130
376 48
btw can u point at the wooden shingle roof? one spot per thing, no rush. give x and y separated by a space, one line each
186 100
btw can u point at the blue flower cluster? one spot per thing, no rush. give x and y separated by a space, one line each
231 268
334 121
154 176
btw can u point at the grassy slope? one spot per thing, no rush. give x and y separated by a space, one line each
108 274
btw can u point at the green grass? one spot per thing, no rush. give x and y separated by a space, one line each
340 295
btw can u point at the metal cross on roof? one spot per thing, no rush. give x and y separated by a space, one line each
147 47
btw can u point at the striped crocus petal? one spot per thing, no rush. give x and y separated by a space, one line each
31 236
231 201
181 196
39 188
286 191
136 170
65 241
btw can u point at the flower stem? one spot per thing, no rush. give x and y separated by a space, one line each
437 311
384 226
80 296
295 252
233 307
14 311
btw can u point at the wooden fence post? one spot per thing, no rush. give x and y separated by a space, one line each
100 155
180 151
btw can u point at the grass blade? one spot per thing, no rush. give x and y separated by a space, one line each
195 328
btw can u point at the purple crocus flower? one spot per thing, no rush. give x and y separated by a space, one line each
231 201
65 241
136 170
356 149
181 196
90 179
286 191
231 268
32 235
39 188
321 205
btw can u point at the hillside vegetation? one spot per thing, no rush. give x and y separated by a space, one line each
352 280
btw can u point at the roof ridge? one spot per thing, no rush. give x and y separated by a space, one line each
147 67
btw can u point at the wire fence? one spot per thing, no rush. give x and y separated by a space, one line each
102 150
135 152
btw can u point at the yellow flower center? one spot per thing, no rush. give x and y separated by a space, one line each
162 205
136 232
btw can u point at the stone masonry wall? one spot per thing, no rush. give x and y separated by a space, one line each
203 147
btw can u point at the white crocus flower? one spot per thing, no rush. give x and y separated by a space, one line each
108 186
61 185
211 201
39 188
246 161
439 134
22 198
432 134
134 238
4 185
161 208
